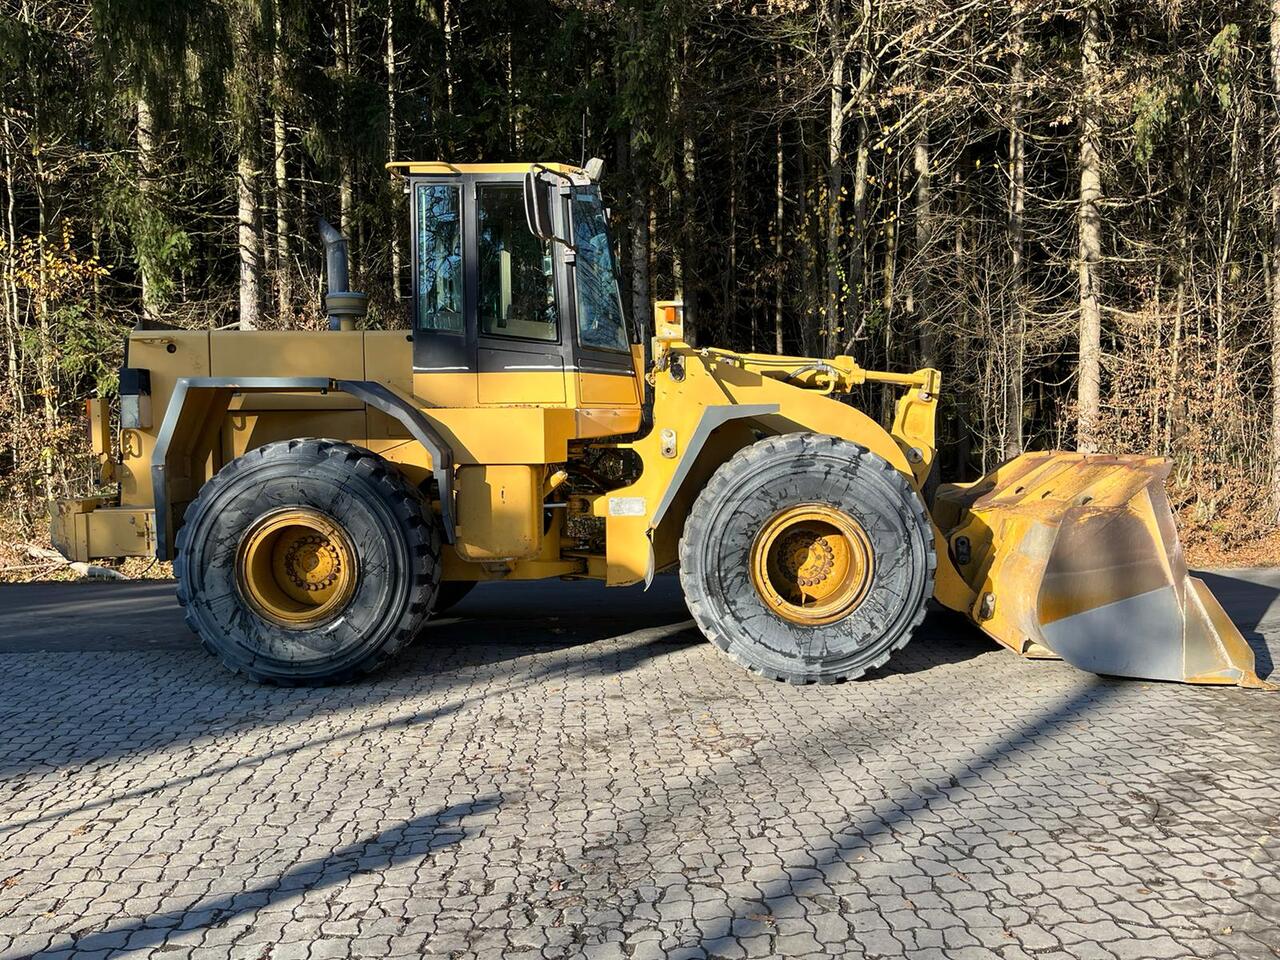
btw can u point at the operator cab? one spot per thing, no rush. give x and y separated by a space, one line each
506 316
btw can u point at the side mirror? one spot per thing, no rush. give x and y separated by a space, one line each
539 194
537 206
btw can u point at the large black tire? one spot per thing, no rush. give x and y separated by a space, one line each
784 473
450 594
391 532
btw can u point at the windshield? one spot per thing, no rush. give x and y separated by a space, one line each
600 319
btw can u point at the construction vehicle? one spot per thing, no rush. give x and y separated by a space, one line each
323 493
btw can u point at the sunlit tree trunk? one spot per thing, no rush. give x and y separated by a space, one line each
250 251
1090 229
284 266
1015 333
447 11
44 352
924 240
1275 258
392 142
147 162
12 314
779 210
248 138
831 13
346 183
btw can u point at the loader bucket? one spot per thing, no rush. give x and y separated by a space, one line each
1076 556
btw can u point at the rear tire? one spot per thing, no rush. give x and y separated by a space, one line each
808 559
307 562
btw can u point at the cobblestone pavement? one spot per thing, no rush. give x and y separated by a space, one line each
561 771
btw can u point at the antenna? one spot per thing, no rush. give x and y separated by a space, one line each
582 158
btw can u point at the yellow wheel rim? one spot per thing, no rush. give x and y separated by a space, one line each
812 564
296 567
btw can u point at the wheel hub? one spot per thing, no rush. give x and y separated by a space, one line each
296 567
313 563
812 564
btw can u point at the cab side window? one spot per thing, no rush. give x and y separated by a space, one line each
517 290
439 242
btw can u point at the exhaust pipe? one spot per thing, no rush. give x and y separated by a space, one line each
342 305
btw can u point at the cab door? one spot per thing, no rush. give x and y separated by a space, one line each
523 356
487 327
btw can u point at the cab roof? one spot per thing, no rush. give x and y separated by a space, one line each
405 168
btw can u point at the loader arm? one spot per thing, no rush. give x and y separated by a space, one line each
710 403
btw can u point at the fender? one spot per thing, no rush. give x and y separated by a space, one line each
200 400
712 417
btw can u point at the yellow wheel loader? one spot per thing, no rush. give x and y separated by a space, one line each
322 494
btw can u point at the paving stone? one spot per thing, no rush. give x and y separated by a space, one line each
604 792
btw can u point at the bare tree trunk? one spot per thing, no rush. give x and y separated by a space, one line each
730 316
446 29
44 354
147 147
284 266
1015 333
346 186
1090 227
856 314
805 234
959 360
247 119
684 259
835 175
12 308
1275 260
250 252
641 297
691 229
779 195
924 239
392 142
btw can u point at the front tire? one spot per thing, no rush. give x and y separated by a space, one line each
307 562
808 559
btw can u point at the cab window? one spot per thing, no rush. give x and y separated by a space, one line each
517 291
600 318
439 242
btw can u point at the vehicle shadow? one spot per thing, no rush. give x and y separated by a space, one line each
173 694
943 639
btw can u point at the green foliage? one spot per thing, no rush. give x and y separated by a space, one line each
1224 56
1154 110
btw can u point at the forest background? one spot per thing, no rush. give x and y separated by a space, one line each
1072 209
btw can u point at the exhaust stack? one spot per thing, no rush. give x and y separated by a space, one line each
342 305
